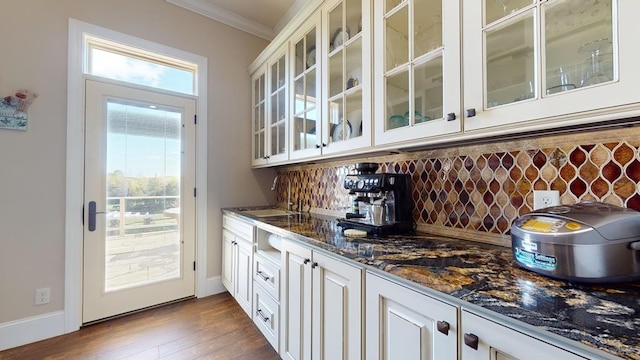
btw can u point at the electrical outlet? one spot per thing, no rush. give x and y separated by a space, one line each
42 296
545 198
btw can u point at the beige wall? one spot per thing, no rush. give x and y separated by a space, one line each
33 55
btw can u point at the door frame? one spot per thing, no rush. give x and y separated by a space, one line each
74 198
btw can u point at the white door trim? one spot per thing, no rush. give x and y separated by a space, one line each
75 162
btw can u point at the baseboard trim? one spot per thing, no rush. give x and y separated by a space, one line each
212 286
32 329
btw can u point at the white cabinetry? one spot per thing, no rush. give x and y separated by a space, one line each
541 63
417 65
404 324
266 288
270 110
237 260
485 340
321 306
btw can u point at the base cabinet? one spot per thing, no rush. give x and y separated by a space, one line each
403 324
483 339
237 261
321 306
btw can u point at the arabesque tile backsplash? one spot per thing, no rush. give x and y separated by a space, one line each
485 187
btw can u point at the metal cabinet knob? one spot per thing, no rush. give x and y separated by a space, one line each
443 327
471 341
318 146
471 112
451 116
306 261
314 265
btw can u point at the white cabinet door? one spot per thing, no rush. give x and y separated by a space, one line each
228 260
403 324
259 117
486 340
296 302
337 309
417 70
548 63
244 276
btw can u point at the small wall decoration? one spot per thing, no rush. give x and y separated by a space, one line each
13 110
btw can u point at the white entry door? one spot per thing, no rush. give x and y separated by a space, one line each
139 217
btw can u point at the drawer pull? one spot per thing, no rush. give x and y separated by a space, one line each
263 276
306 261
443 327
262 316
451 116
314 265
471 341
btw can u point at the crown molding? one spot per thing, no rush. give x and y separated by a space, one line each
227 17
293 11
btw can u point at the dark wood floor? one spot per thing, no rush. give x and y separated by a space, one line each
214 327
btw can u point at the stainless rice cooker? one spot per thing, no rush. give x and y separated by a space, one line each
588 242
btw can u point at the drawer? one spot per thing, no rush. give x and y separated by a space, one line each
238 227
267 316
267 275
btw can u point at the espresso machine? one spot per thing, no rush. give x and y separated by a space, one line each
382 202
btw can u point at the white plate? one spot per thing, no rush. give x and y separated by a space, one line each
338 133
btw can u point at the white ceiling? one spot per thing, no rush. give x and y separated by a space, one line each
263 18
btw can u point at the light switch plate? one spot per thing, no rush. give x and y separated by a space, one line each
545 198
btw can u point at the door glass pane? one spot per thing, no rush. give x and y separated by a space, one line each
336 80
336 120
353 60
510 61
427 100
335 27
578 40
397 38
143 195
353 111
354 16
397 89
301 54
390 4
427 20
299 104
497 9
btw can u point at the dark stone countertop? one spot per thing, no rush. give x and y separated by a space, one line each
606 317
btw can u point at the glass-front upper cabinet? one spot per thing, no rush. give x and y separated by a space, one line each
547 59
259 117
306 127
277 114
417 69
346 57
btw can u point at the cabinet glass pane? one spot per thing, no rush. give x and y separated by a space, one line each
510 61
427 100
259 146
336 31
390 4
281 72
579 50
336 120
274 78
427 32
397 90
353 60
262 86
299 102
497 9
336 78
263 114
397 38
301 54
353 111
305 130
354 16
256 92
311 88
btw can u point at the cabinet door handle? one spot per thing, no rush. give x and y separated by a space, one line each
443 327
263 276
318 146
324 145
471 112
471 341
306 261
451 116
314 265
262 316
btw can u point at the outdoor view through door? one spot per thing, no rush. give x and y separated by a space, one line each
139 237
